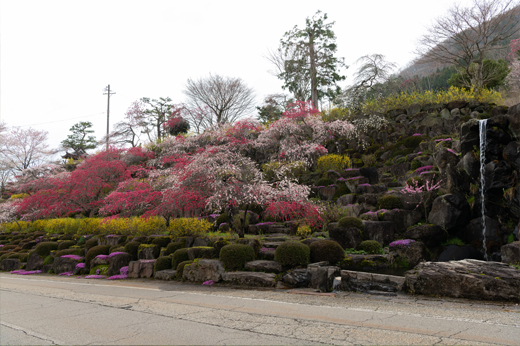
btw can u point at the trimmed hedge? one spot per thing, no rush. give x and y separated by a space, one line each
326 250
389 202
161 241
132 248
370 246
179 256
162 263
66 244
235 256
91 243
292 254
351 222
208 252
93 252
44 249
172 247
74 251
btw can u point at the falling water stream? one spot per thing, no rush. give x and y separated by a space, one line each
482 129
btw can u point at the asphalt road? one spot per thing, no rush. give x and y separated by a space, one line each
47 310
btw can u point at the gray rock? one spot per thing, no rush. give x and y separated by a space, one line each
402 218
63 265
141 269
413 109
297 278
370 173
512 154
346 237
98 261
471 279
203 270
469 164
380 231
264 266
10 264
450 211
511 253
35 262
443 158
362 189
414 253
322 278
116 262
267 255
326 193
430 235
456 104
459 252
455 112
250 278
166 274
200 242
445 114
148 252
346 199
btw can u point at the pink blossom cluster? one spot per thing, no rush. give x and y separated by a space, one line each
417 134
74 257
80 265
401 242
266 249
423 169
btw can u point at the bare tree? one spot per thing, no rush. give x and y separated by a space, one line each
301 86
21 149
465 36
198 117
227 98
129 130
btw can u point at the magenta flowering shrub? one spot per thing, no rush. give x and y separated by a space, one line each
423 169
443 140
208 283
80 266
117 277
401 242
95 277
103 257
123 270
417 134
24 272
116 253
65 274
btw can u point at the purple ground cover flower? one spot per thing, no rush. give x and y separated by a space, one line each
147 261
102 257
111 236
23 272
419 153
95 276
354 178
65 274
266 249
214 215
423 169
1 245
117 277
425 172
264 223
208 283
401 242
74 257
80 265
452 151
417 134
123 270
116 253
443 140
364 185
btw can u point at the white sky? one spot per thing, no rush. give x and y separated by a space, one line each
56 57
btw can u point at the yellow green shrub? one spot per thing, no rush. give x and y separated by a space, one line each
38 225
115 226
303 231
15 226
65 225
19 196
182 227
333 162
332 114
88 225
405 100
291 170
149 226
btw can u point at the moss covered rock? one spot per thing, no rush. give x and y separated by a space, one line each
389 202
44 249
132 248
172 247
351 222
95 251
162 263
180 269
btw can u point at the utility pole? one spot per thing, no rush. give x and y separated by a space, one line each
108 93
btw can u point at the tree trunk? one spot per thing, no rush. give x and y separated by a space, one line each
314 79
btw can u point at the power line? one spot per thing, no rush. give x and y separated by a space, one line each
57 121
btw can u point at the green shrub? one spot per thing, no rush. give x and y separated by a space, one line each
453 241
415 164
510 238
326 250
179 256
103 268
370 247
161 241
117 248
72 251
202 252
323 182
237 220
66 244
180 269
48 260
292 254
93 252
44 249
132 248
341 190
162 263
22 257
235 256
140 239
389 202
351 222
91 243
172 247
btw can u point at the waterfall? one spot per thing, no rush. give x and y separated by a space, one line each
482 125
336 285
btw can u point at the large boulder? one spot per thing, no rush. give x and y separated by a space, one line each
64 265
264 266
370 173
470 164
402 218
118 261
512 154
474 234
469 136
430 235
348 238
468 278
297 278
511 253
514 120
450 211
380 231
166 274
444 157
250 278
203 270
141 269
459 252
35 262
322 278
346 199
411 254
10 264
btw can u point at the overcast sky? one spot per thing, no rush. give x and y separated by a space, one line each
56 57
